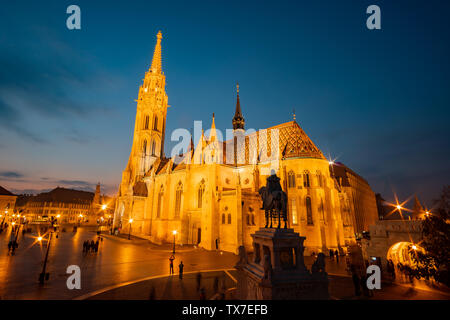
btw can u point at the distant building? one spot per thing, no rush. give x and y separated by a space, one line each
360 197
72 206
7 202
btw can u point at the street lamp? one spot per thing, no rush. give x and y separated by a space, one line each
104 206
44 276
174 232
129 232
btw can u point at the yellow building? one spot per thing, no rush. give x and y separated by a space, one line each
7 203
67 205
209 194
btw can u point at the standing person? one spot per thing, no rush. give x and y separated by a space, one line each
202 294
171 264
96 246
365 290
199 280
331 254
180 267
356 282
336 253
216 285
92 245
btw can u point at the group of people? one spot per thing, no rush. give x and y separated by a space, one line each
333 254
180 267
91 246
12 246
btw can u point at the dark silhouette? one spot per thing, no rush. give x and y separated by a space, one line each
356 282
199 280
180 267
171 263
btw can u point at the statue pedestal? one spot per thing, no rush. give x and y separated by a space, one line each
277 270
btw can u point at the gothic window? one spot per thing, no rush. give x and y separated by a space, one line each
294 212
319 179
178 195
291 179
309 217
153 148
229 218
223 218
160 200
147 119
306 183
322 209
201 191
144 148
155 123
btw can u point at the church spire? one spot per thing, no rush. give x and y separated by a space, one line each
238 119
156 62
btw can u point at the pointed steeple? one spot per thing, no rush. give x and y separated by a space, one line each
212 131
238 119
156 62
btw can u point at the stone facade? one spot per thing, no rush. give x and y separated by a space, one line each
7 202
214 202
388 234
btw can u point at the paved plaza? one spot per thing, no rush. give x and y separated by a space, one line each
137 269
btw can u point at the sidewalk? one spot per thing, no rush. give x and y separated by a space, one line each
170 287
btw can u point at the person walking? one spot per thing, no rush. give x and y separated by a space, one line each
199 280
92 246
180 268
171 263
356 282
216 284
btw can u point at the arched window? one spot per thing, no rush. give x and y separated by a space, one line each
309 217
155 123
146 123
248 219
178 195
201 191
319 179
144 148
160 202
229 218
294 212
306 183
291 179
153 148
223 218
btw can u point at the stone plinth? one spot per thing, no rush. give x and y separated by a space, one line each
277 270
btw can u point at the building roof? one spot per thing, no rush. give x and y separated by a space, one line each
64 195
4 192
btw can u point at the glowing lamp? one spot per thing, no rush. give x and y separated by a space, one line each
414 247
130 221
39 238
174 232
104 207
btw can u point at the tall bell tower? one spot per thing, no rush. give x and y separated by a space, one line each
149 129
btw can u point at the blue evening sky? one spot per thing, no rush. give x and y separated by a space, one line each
377 100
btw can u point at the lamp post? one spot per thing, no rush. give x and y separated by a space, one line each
44 276
174 232
129 231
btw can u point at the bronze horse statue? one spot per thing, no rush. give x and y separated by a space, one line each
274 205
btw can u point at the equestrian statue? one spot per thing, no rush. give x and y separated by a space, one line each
274 201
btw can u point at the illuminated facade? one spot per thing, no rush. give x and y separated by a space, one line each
214 202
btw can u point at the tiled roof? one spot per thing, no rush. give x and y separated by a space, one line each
4 192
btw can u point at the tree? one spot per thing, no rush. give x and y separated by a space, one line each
434 261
